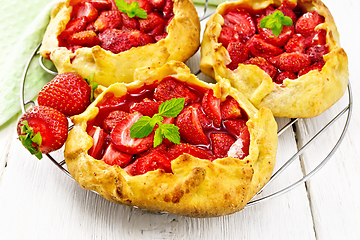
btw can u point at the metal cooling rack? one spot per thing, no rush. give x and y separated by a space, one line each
348 109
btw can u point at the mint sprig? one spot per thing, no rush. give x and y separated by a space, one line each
132 9
145 125
275 22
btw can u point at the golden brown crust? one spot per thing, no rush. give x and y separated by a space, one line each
306 96
196 188
108 67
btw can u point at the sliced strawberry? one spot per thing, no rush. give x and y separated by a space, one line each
278 41
73 26
316 66
112 119
317 38
286 9
293 62
120 136
238 128
98 135
129 23
168 9
235 126
238 54
228 35
50 123
86 10
190 127
263 64
152 21
153 161
157 4
179 149
170 88
283 75
259 48
84 38
306 24
241 22
317 52
115 40
101 5
221 143
110 103
205 122
160 37
69 93
138 38
146 107
112 156
108 20
211 107
296 44
230 109
275 61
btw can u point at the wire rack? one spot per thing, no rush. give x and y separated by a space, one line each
205 15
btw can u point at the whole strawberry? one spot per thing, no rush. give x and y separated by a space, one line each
42 130
68 93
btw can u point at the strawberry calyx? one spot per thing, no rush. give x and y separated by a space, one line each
31 140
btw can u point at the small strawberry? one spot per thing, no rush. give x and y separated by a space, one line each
306 24
170 88
42 130
230 109
221 143
153 161
296 44
86 10
146 107
179 149
228 35
241 22
316 66
101 5
74 26
283 75
259 48
85 38
120 136
263 64
293 62
98 135
317 52
108 20
69 93
112 119
211 107
112 156
190 127
238 54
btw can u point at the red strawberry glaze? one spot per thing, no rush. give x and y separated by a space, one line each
111 106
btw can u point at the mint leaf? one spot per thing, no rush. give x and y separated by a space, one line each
171 108
156 119
93 85
141 128
132 10
158 137
171 132
275 22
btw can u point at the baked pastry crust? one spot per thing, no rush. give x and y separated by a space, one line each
108 67
304 97
196 188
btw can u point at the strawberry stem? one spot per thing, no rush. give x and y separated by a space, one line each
30 140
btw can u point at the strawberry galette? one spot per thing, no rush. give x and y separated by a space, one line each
111 38
168 142
284 55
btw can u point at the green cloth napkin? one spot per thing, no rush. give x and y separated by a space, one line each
22 28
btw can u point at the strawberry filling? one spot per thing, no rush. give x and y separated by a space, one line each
100 22
208 128
298 48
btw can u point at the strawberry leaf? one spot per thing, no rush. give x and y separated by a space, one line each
275 22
